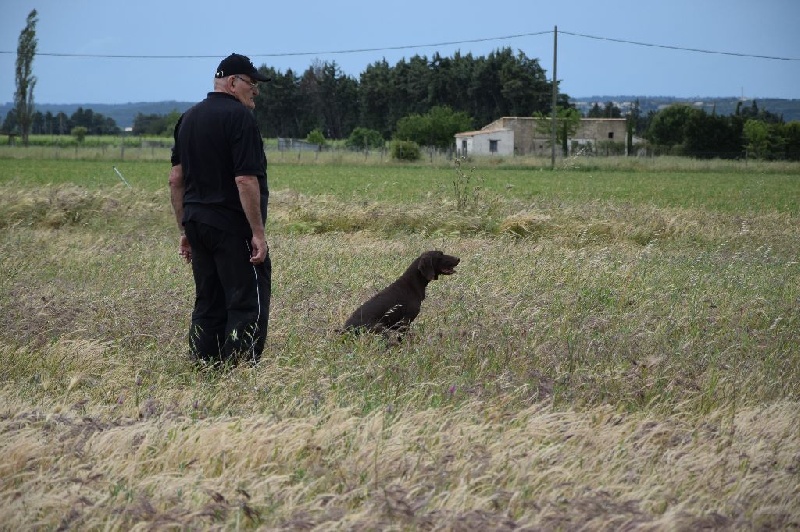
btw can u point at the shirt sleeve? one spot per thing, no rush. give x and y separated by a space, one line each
248 149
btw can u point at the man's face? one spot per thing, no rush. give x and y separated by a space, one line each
244 89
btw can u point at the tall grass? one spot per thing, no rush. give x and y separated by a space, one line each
618 349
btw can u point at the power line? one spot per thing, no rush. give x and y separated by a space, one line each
407 47
414 46
680 48
290 54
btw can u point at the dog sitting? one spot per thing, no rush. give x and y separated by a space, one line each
396 306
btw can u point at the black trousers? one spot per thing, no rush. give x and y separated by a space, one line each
231 309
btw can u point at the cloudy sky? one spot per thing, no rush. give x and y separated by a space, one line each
112 51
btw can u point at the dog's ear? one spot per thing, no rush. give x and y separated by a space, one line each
426 267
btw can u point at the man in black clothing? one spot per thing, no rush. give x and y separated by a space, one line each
218 189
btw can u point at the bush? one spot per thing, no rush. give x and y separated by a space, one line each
363 139
436 128
316 137
79 133
405 150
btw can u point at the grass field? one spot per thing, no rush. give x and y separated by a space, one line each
617 350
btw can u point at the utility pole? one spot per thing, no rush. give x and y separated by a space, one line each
555 99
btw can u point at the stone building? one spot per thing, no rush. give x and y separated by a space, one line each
521 136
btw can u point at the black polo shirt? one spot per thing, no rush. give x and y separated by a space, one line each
217 140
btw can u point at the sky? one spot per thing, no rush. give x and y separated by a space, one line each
168 50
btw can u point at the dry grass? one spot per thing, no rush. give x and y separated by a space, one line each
471 467
592 365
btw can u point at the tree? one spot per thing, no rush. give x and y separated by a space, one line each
668 127
374 98
449 81
435 128
753 112
408 93
568 119
323 97
791 136
26 81
309 104
708 135
316 137
170 121
609 111
338 100
523 84
484 88
49 123
327 100
63 125
363 138
278 110
37 123
154 124
96 123
82 118
640 121
630 123
414 128
79 133
595 111
612 111
772 140
10 123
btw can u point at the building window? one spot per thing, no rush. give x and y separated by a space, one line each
611 134
463 147
493 146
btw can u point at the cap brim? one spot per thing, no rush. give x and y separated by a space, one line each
257 76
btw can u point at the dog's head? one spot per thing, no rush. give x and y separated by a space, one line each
434 263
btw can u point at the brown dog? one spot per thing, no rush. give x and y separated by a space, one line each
397 305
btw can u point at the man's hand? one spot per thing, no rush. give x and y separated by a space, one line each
250 196
260 250
185 249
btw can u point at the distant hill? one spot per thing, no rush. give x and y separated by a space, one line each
789 109
122 113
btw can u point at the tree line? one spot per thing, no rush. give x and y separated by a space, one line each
681 129
749 132
469 90
61 124
324 98
426 101
675 130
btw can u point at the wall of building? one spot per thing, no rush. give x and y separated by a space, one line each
529 140
480 142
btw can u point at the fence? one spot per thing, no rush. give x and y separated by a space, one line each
305 153
295 152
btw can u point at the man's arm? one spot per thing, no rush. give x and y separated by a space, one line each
250 196
176 190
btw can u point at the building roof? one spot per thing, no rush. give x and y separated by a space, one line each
481 132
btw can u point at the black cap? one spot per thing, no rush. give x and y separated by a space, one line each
238 64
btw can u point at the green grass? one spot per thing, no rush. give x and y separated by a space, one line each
754 187
618 345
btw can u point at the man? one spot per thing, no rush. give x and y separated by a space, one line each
218 189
